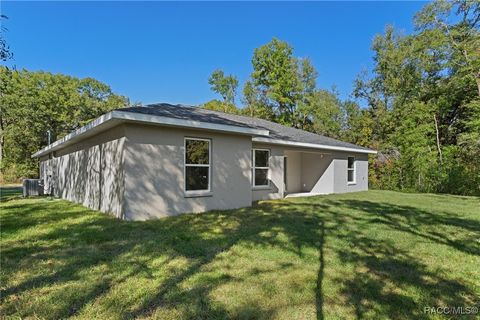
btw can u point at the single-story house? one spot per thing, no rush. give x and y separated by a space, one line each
159 160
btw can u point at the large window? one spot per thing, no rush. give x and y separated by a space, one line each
260 167
197 164
351 170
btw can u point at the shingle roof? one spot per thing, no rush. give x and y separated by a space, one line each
277 131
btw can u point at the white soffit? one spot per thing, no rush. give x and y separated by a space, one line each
310 145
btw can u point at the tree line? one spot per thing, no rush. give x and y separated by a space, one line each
420 102
419 106
36 105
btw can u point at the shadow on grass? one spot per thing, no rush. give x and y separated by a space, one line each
81 241
9 193
434 227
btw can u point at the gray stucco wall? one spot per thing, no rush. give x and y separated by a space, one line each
294 171
90 172
340 181
313 171
317 171
154 172
136 172
276 188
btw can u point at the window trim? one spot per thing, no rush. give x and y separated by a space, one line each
354 169
203 192
260 186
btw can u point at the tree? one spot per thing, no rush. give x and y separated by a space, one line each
423 94
255 103
325 113
356 125
308 83
250 99
221 106
33 103
5 53
225 86
307 76
461 39
275 74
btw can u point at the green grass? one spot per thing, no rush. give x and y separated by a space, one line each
10 193
376 254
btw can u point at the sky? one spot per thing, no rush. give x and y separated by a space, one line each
165 51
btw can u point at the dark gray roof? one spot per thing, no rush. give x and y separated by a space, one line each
277 131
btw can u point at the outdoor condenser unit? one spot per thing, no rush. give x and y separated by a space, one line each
32 187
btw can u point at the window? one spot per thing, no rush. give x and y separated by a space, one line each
197 164
351 170
260 167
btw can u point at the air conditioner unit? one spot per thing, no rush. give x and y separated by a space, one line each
32 187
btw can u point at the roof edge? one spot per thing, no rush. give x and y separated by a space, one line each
125 116
168 121
311 145
80 131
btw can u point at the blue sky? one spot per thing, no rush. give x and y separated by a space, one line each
165 51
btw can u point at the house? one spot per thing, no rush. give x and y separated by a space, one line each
159 160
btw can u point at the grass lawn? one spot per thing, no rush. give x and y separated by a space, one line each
376 254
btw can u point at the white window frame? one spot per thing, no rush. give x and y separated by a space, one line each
185 165
255 167
354 169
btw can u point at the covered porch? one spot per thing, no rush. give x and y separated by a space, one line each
308 172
